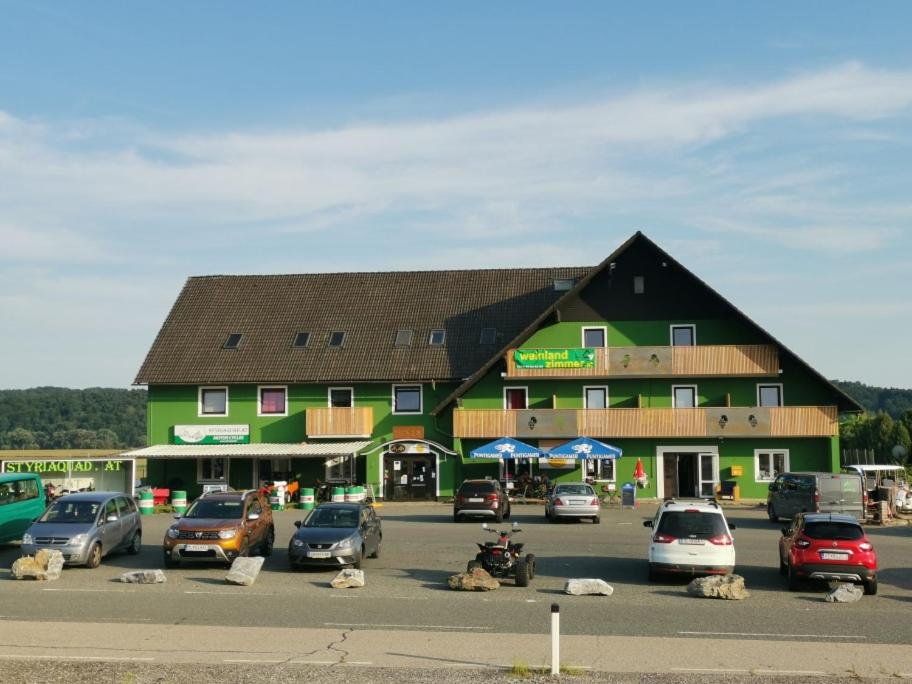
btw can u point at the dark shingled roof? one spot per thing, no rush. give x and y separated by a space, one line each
369 307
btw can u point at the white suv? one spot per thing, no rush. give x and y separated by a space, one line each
691 537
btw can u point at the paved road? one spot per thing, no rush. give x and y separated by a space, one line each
406 594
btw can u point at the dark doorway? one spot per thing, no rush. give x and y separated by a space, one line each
680 475
409 478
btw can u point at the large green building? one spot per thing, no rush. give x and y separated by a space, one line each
392 379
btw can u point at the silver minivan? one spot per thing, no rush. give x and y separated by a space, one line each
85 527
794 493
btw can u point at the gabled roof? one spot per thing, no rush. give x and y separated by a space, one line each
843 400
368 307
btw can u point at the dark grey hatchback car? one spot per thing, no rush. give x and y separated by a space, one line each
336 534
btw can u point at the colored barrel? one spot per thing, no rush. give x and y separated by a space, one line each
307 499
338 494
358 493
146 503
179 501
275 501
349 494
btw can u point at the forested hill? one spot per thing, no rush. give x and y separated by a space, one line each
60 418
889 400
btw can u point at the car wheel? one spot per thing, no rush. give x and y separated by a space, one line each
522 573
499 516
870 586
653 575
473 565
508 513
357 564
266 548
547 514
771 514
376 553
793 582
783 568
596 520
171 562
94 558
530 564
135 544
456 516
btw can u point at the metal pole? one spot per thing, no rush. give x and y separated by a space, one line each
555 639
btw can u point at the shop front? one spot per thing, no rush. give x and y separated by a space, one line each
410 469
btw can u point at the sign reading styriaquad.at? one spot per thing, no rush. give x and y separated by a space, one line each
212 434
582 357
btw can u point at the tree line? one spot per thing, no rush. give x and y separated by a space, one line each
61 418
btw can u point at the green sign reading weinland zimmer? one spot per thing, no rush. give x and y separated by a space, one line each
583 357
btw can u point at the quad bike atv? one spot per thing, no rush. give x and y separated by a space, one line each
504 558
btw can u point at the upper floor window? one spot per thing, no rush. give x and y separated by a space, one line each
639 284
516 397
769 395
336 338
683 335
407 399
272 401
595 397
212 401
595 337
301 339
684 396
437 338
488 336
404 338
232 341
341 397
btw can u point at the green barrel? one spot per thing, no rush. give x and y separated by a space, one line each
275 501
338 494
307 498
179 501
146 503
349 494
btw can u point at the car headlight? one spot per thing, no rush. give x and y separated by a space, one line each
344 544
227 534
78 539
27 539
173 533
297 542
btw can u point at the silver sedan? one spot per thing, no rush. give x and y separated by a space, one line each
572 500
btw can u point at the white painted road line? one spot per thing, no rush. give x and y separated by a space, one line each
100 591
251 660
812 673
227 593
705 669
789 636
312 662
21 656
370 624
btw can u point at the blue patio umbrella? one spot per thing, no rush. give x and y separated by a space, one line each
506 448
585 447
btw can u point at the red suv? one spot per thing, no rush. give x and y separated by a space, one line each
827 546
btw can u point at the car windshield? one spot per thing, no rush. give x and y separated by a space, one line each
476 488
333 517
216 508
71 512
582 489
694 524
833 530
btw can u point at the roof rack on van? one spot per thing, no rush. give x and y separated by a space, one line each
692 499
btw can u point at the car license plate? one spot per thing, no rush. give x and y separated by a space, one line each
196 547
577 503
318 554
475 500
833 556
692 541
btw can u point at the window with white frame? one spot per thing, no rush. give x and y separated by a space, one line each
683 335
341 397
407 399
212 401
595 337
683 396
595 397
272 400
770 463
601 469
769 395
212 470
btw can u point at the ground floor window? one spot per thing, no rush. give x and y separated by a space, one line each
601 469
212 470
768 464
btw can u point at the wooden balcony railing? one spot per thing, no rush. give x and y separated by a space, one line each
355 421
700 361
735 421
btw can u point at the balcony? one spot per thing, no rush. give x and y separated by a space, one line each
354 421
735 421
755 360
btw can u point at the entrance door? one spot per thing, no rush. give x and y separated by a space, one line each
409 477
680 475
708 476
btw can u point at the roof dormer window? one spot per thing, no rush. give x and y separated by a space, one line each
301 339
437 338
233 340
404 338
336 338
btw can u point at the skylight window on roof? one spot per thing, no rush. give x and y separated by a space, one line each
336 338
404 338
564 284
488 336
301 339
234 339
437 338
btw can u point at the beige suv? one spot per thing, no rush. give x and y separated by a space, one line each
221 526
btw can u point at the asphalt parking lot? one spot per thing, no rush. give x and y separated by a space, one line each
406 586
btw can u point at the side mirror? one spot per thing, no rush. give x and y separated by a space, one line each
298 523
647 523
773 487
253 516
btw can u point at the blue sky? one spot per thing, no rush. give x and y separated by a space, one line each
766 146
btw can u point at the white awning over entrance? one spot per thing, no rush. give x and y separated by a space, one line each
298 450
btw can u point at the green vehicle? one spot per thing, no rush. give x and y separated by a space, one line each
21 501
